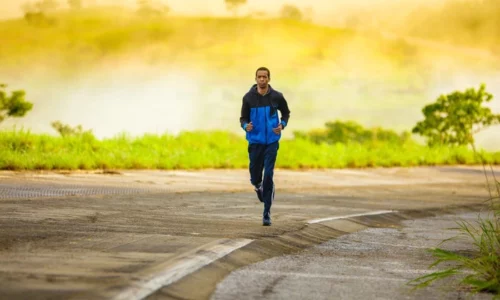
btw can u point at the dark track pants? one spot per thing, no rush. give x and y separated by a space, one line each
262 160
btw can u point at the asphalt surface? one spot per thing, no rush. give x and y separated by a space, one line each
177 234
374 263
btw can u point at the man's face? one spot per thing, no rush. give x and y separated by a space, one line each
262 79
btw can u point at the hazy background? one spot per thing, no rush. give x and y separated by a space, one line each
323 9
376 68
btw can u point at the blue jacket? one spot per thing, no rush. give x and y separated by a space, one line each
262 111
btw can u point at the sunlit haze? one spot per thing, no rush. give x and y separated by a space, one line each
372 66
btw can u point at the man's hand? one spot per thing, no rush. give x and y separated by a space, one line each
278 129
249 127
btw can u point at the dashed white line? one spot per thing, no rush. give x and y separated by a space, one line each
325 276
379 212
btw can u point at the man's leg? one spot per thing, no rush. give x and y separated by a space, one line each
256 166
270 155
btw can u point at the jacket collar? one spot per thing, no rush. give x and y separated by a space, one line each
253 89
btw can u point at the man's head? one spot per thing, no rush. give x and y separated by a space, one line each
262 77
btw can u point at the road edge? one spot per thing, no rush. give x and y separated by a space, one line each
206 279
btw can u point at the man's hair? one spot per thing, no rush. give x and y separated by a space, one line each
263 69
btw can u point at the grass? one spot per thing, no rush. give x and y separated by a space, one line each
478 270
22 150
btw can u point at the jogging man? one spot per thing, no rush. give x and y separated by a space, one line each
259 118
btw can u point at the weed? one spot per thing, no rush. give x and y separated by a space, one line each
480 269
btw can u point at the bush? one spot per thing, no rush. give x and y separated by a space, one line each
75 4
148 8
291 12
67 130
233 5
14 105
36 13
353 132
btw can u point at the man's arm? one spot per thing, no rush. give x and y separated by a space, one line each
245 114
285 111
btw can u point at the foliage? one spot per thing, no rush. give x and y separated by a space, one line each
352 132
480 269
67 130
21 150
233 5
44 6
454 118
291 12
36 13
14 105
75 4
37 18
149 8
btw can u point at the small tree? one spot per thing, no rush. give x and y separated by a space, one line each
75 4
14 105
233 5
454 118
67 130
36 13
291 12
150 8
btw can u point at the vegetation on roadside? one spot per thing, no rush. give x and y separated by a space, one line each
15 105
67 130
453 120
477 270
352 132
80 149
339 145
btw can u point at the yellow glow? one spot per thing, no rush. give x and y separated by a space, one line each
190 73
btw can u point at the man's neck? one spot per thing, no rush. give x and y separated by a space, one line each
262 91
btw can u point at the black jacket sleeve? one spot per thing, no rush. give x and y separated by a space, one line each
285 111
245 113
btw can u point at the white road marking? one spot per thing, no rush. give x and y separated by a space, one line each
325 276
379 212
143 286
395 245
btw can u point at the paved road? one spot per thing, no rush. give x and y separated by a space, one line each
374 263
130 235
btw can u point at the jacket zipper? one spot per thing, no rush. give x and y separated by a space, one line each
265 118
